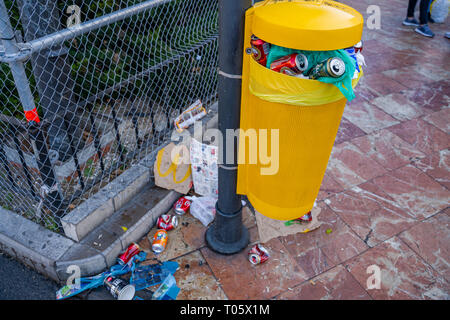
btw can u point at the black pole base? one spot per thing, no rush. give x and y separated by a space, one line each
227 235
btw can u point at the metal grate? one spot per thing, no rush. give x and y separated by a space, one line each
90 87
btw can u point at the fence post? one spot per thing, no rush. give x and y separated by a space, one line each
228 235
52 73
29 108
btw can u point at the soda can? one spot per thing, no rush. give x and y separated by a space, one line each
167 222
260 50
332 67
258 254
182 206
132 250
159 241
306 218
358 47
292 65
119 289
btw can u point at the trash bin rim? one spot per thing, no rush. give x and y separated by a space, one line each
288 90
337 33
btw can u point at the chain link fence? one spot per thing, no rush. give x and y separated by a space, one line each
89 87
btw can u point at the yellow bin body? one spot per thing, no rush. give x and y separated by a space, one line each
305 114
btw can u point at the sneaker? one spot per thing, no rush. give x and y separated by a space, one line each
410 22
447 35
425 31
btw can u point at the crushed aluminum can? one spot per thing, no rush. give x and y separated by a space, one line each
293 64
182 206
119 289
358 47
305 218
159 241
258 254
332 67
260 50
132 250
167 222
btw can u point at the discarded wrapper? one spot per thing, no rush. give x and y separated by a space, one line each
193 113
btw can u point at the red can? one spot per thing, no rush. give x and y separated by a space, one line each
132 250
292 64
260 50
258 254
358 47
182 206
307 217
167 222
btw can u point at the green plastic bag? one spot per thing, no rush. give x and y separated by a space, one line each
343 83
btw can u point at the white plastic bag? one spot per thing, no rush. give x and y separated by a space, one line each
439 10
203 208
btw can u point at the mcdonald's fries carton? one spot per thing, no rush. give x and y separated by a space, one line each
172 168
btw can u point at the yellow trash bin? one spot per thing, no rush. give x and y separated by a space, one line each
305 114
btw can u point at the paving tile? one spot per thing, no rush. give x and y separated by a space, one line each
335 284
414 191
404 274
382 84
380 56
430 239
387 149
402 44
371 213
410 76
313 261
329 187
347 131
195 279
421 135
368 117
399 106
429 70
435 96
349 166
319 250
362 93
242 280
440 119
187 237
437 165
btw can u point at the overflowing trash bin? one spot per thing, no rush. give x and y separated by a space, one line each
301 62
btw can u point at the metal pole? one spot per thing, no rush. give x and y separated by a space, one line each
227 235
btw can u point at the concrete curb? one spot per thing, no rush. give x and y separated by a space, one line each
51 253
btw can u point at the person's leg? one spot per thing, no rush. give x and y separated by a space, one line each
410 21
411 8
423 29
424 6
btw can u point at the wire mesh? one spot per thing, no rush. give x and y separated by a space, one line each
105 98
